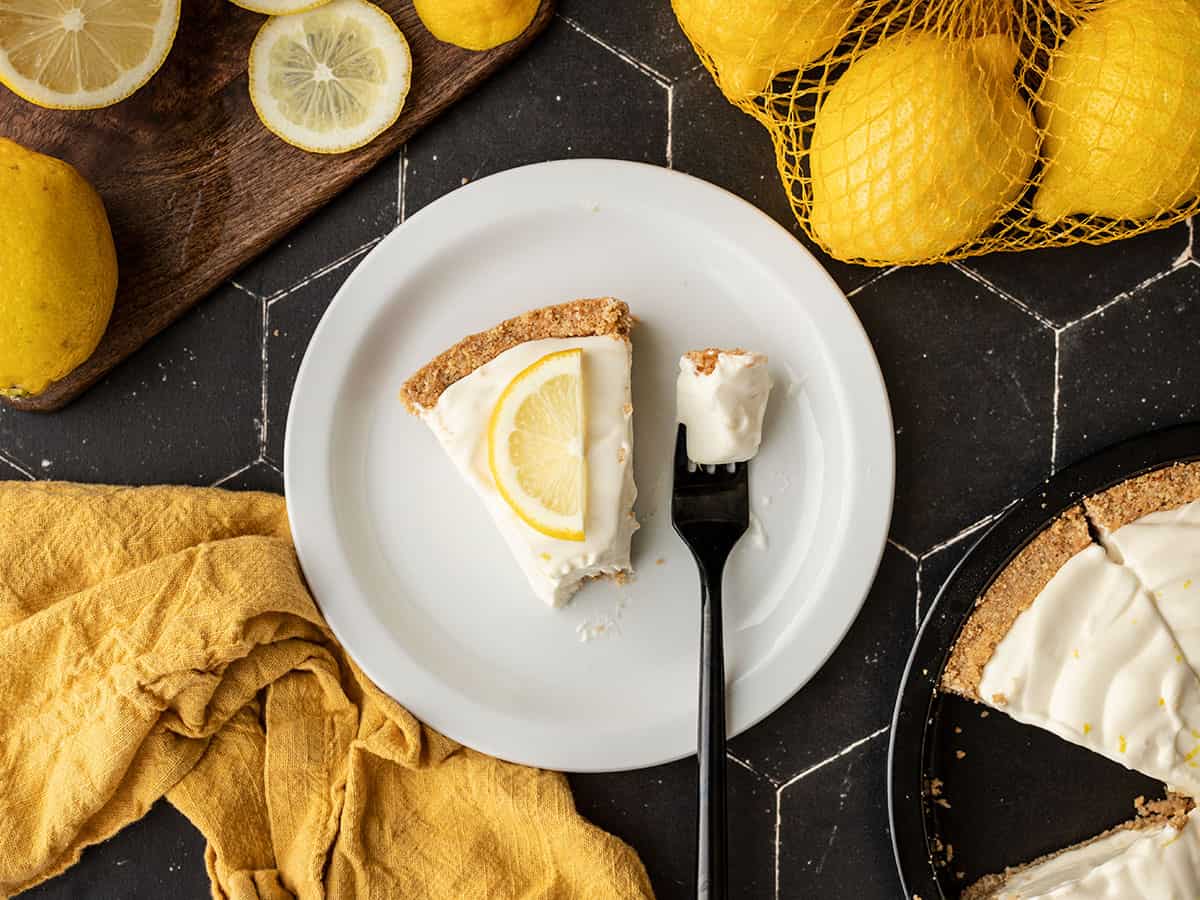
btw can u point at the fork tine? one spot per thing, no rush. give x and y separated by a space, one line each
681 457
688 472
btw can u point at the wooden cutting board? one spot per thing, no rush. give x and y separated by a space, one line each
193 183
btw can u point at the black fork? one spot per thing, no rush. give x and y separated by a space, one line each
710 511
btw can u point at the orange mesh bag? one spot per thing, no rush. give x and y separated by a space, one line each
914 131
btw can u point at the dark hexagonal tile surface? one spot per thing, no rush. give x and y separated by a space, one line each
854 691
186 408
291 321
833 830
160 855
936 567
646 32
742 161
566 97
971 382
1065 283
1130 369
367 210
654 810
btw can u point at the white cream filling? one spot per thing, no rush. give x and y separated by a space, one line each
555 568
1163 550
723 410
1153 863
1092 661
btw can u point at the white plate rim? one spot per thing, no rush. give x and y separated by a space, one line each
307 445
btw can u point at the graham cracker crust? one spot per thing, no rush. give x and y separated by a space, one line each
578 318
1013 591
1166 488
1171 810
706 360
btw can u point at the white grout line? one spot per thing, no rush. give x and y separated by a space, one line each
224 478
1004 295
899 546
244 289
324 270
850 748
16 465
1054 408
749 768
778 828
401 181
1124 295
872 280
971 529
918 606
1188 254
646 70
270 465
670 126
262 430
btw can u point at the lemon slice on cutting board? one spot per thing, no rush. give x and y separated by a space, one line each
536 445
278 7
83 54
331 79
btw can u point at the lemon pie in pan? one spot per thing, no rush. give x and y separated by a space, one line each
1092 632
536 414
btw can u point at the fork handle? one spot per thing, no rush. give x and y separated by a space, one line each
712 878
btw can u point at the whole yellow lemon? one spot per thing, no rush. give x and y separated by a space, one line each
476 24
752 41
1121 112
58 270
918 148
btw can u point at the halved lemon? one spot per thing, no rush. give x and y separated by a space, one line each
332 79
279 7
536 445
83 54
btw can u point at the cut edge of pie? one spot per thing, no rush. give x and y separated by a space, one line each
1172 811
1162 489
594 317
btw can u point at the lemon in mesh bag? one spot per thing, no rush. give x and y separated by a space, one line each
750 41
1120 108
919 146
911 131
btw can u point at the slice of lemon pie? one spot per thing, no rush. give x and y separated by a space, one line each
536 415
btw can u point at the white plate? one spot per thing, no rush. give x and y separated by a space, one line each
406 564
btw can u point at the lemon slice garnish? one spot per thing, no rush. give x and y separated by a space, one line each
332 79
536 445
83 54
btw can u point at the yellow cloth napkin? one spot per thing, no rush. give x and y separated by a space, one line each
160 642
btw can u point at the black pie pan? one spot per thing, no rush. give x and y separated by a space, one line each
1006 793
